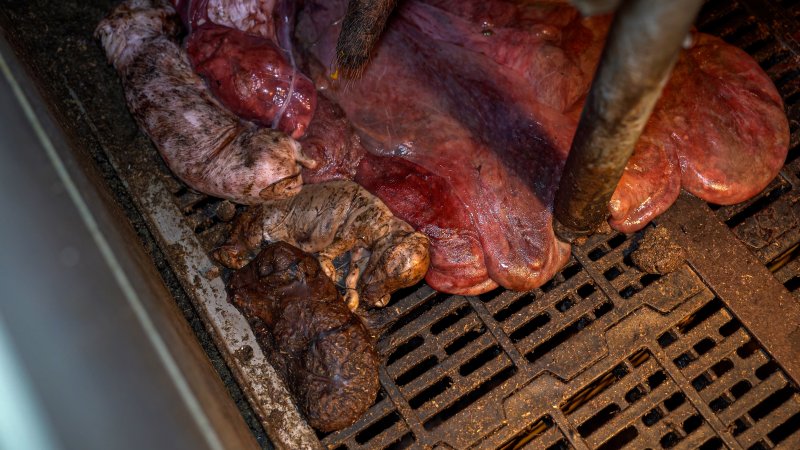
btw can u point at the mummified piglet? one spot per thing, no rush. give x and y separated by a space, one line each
322 351
331 219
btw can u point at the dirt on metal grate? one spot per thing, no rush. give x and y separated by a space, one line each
602 356
770 223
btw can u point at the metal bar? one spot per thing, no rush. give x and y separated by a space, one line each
739 280
361 29
642 47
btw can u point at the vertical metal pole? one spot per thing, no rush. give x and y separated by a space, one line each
642 47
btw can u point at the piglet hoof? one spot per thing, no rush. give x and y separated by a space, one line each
351 299
383 301
328 267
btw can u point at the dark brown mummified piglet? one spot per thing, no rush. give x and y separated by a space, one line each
204 144
331 219
322 350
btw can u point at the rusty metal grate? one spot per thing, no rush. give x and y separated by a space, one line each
461 370
602 356
734 377
770 223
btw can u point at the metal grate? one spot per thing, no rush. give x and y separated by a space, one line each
769 223
636 403
487 372
735 378
602 356
448 359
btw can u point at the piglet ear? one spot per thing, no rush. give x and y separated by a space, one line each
383 301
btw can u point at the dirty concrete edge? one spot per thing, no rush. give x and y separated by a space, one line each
230 331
